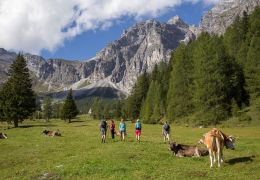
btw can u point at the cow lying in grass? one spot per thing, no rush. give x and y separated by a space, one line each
51 133
3 136
215 140
182 150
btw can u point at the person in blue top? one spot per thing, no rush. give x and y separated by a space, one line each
122 130
138 129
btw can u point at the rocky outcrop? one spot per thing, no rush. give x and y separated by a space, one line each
117 65
223 14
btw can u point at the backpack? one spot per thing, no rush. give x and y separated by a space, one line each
122 126
103 124
138 126
166 127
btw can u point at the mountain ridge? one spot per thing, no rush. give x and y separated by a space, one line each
118 65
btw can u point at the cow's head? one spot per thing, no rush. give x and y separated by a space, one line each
230 142
45 131
201 141
173 147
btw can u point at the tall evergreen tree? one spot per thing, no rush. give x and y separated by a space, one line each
47 108
96 108
69 110
151 106
252 68
179 94
210 79
17 96
134 101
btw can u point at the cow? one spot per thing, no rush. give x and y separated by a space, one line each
3 135
51 133
182 150
215 140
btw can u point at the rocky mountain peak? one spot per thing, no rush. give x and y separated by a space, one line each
224 13
176 20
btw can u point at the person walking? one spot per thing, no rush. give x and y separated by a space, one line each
138 129
122 130
103 130
166 132
112 129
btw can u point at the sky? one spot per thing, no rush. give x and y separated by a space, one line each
78 29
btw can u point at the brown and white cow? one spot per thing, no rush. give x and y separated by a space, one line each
182 150
215 140
51 133
3 135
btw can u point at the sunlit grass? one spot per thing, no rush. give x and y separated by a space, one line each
79 154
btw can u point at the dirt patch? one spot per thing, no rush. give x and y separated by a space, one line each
197 174
47 175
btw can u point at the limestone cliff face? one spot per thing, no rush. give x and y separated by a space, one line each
138 50
223 14
117 65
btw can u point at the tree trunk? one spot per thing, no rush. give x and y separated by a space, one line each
69 120
16 123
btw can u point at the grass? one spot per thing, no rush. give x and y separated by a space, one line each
79 154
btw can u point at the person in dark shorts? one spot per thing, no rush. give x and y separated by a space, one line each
166 132
112 129
103 130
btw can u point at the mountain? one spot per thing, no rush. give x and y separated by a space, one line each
115 67
114 70
223 15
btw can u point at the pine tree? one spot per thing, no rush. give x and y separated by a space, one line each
96 108
118 109
69 110
134 101
210 79
179 94
18 98
252 67
47 108
151 111
234 36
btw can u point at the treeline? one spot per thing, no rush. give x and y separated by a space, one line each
19 102
206 82
48 109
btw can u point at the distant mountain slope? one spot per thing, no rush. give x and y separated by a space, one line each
223 14
117 65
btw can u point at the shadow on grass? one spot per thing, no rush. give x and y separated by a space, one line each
240 160
81 125
37 125
76 121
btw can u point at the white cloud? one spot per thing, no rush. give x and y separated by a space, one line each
34 25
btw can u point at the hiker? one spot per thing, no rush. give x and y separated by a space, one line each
122 129
103 130
112 129
166 132
138 129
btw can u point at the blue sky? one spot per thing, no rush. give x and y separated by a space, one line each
78 29
87 44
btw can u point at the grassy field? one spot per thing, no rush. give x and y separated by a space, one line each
79 154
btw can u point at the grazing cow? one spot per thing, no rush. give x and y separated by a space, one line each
51 133
182 150
215 140
3 136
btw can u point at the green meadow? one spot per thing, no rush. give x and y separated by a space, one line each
79 153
